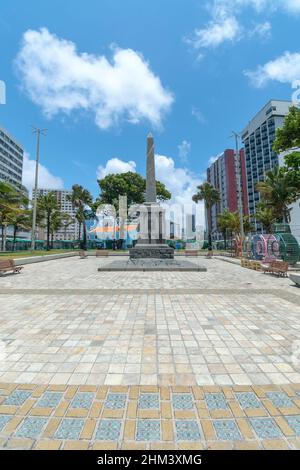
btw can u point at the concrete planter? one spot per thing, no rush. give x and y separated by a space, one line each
40 259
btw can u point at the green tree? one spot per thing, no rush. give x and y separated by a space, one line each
81 198
48 205
128 184
266 216
278 192
20 220
288 137
211 196
12 201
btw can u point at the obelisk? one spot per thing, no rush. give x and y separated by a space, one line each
150 177
151 243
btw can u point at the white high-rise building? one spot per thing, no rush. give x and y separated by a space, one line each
258 138
72 231
11 159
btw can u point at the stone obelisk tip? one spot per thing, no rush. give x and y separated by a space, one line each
150 177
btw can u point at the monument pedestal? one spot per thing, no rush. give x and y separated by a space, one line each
142 251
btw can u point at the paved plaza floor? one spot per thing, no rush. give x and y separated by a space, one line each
188 359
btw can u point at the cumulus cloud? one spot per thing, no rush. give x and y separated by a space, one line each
284 69
60 79
46 179
184 150
114 166
226 23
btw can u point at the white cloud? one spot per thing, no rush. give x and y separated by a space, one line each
61 80
261 29
46 179
219 30
180 181
226 23
284 69
114 166
184 150
198 115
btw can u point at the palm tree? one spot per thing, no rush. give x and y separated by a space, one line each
48 204
266 216
224 225
20 220
278 193
12 200
210 196
81 198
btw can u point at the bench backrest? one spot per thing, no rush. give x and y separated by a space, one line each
7 263
101 252
280 265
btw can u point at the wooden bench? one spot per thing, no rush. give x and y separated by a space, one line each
191 253
100 253
83 254
7 265
276 267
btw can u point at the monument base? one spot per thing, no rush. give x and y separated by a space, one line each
146 251
148 265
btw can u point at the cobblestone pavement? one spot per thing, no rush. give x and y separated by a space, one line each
149 417
99 360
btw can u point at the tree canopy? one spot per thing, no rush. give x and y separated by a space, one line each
128 184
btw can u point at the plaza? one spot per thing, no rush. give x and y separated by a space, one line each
148 360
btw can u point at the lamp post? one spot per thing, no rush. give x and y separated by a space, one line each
237 164
38 132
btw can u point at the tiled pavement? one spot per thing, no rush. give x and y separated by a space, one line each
149 417
123 346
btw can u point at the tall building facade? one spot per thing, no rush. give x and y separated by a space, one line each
258 138
65 233
11 159
222 175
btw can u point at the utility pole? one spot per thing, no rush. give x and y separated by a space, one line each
38 132
237 162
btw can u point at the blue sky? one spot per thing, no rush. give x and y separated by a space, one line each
189 71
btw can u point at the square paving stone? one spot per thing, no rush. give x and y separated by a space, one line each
4 419
265 428
108 430
187 431
31 427
17 398
227 430
182 401
280 399
148 430
216 401
115 401
149 401
49 400
82 400
248 400
69 428
294 423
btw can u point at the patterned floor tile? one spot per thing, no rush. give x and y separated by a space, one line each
69 429
49 400
82 400
115 401
265 428
149 401
148 430
248 400
280 399
17 398
227 430
187 430
216 401
31 427
4 419
108 430
182 401
294 423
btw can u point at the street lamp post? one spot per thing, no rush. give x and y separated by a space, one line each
38 132
239 183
